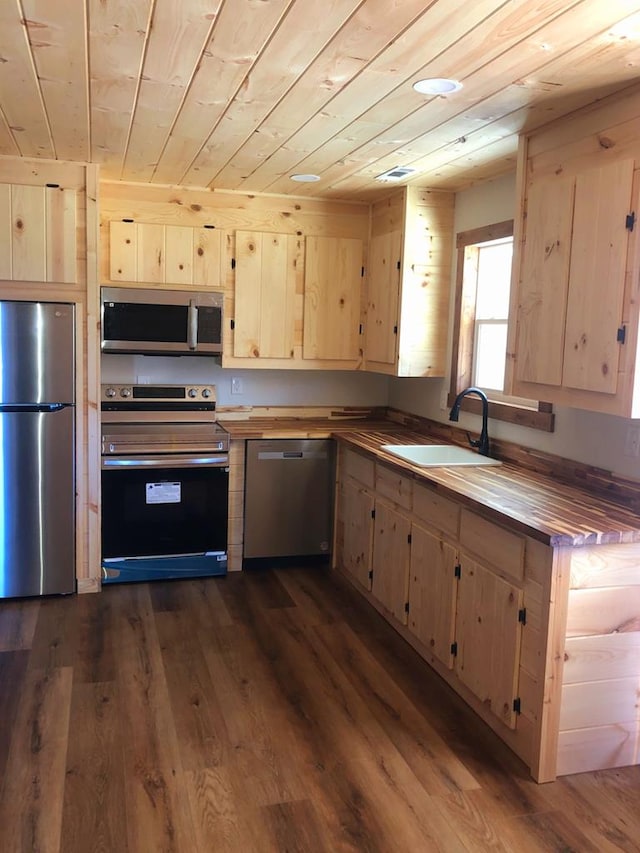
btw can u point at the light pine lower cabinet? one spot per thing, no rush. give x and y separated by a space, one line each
465 615
432 593
488 638
356 520
542 642
452 583
390 563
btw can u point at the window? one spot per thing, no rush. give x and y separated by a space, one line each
483 283
492 312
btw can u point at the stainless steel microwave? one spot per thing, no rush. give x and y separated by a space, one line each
161 322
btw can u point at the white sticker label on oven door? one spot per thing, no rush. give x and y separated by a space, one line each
163 493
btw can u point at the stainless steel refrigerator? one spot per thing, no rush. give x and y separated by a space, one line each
37 477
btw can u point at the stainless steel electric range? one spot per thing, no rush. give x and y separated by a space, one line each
165 481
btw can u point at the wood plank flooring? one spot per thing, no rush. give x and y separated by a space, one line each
265 711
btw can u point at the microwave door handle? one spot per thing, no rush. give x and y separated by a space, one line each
192 332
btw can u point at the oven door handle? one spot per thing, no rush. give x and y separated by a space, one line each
173 461
192 333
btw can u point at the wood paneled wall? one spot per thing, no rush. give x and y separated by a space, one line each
600 714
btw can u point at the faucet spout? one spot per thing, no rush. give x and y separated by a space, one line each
482 443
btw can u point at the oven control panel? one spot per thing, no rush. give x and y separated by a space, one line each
125 395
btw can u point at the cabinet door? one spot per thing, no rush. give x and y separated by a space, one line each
391 560
544 277
38 234
152 253
355 519
603 199
488 636
265 294
150 261
383 289
179 254
432 593
332 282
572 279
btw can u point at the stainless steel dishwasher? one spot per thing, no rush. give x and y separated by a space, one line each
289 487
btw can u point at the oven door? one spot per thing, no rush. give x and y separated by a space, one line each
164 506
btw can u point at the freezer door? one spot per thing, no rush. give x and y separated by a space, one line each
37 529
36 352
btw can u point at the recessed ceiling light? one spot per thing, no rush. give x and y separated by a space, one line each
305 179
437 86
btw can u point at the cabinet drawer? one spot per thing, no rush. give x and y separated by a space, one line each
496 546
435 510
394 486
359 467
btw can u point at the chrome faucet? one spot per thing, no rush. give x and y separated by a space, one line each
481 443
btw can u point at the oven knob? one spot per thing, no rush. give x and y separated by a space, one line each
192 392
125 392
206 393
110 392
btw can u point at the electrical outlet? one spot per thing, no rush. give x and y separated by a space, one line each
143 380
236 385
632 441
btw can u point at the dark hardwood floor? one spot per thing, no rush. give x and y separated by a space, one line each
267 711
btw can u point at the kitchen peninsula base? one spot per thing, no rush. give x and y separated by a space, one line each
541 639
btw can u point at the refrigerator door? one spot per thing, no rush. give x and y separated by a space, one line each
36 352
37 529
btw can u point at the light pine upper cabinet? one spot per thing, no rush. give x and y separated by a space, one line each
152 253
573 338
577 240
332 293
267 269
383 292
542 309
599 246
39 234
408 283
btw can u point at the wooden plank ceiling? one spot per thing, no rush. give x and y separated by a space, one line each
240 94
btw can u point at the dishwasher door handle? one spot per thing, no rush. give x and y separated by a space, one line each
290 454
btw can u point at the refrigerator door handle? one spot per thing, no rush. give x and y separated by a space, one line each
34 407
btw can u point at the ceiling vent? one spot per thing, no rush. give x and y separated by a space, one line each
396 174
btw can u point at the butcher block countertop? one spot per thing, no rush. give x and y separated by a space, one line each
278 427
537 505
551 512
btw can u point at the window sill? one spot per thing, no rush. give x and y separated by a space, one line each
510 413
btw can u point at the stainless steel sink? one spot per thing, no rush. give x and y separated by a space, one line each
438 455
